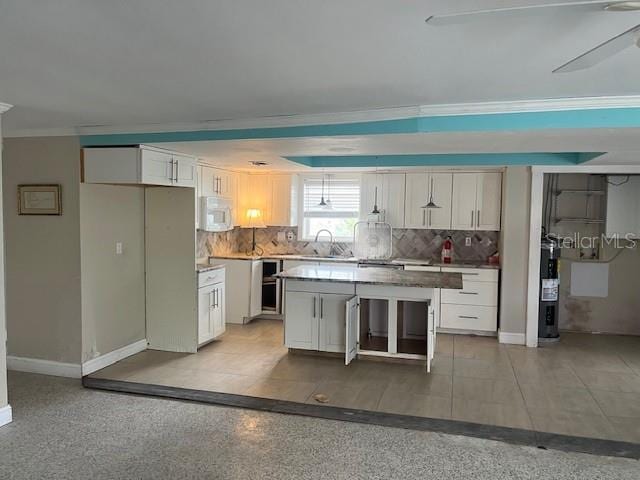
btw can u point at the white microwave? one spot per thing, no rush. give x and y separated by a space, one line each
215 214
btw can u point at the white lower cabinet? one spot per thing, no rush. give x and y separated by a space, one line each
332 322
316 321
335 317
244 282
301 329
211 306
474 308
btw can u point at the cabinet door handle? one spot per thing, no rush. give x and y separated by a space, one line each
424 213
177 167
471 218
314 307
468 317
321 307
215 298
478 219
430 222
468 293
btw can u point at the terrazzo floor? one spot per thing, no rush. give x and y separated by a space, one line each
64 431
585 386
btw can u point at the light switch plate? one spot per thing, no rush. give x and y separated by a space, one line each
467 241
281 236
118 248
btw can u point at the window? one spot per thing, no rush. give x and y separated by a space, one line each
342 193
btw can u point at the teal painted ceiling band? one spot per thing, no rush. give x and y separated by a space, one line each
441 160
493 122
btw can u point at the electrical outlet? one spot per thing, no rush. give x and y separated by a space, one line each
118 248
467 241
291 236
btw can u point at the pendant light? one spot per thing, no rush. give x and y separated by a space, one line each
322 203
431 203
375 210
328 201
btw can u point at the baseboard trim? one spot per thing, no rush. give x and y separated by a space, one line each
44 367
5 415
110 358
512 338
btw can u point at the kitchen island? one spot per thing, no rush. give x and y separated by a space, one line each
378 312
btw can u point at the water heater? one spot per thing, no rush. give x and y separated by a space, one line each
549 290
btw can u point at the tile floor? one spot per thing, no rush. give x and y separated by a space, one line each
586 385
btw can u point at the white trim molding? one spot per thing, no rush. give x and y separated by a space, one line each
542 105
392 113
512 338
5 415
110 358
4 107
44 367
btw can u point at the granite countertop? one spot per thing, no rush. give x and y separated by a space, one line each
203 267
373 276
395 261
310 258
427 263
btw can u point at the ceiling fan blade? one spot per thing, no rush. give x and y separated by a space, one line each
456 18
602 52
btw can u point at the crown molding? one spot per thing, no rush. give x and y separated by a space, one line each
40 132
4 107
521 106
406 112
261 122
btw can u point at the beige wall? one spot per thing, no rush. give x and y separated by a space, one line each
113 286
515 250
3 349
42 252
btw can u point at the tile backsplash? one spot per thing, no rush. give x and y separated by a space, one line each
407 243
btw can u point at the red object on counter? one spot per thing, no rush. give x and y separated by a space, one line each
447 251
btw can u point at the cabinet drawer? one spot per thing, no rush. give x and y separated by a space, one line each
473 293
474 274
469 317
210 277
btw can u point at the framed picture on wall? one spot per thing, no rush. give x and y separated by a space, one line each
39 200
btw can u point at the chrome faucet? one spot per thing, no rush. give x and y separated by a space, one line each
332 250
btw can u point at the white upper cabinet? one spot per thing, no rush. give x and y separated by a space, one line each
284 200
476 202
440 189
138 165
156 168
416 195
420 187
489 201
463 202
393 199
386 190
217 183
275 195
185 171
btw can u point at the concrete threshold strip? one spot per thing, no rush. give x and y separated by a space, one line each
516 436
